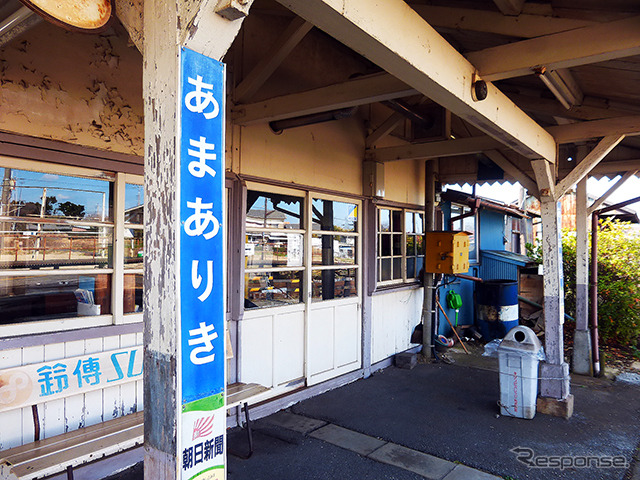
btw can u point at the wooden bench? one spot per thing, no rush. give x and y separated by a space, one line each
63 452
238 395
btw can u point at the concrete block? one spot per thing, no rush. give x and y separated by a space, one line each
291 421
556 407
582 362
348 439
406 360
421 463
462 472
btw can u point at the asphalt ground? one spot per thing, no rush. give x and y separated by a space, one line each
450 412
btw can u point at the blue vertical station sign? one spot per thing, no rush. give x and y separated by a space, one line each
202 326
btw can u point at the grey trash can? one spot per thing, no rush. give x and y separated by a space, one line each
518 356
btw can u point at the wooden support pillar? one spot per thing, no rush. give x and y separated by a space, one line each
554 372
582 363
165 32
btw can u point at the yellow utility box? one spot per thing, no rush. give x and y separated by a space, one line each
447 252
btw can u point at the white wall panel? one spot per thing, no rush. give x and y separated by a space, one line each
77 411
394 316
288 344
255 350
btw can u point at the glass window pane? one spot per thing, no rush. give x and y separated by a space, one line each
420 244
397 244
272 289
133 247
396 220
333 249
134 204
329 215
273 210
34 245
419 223
411 245
385 220
29 298
411 268
419 266
133 290
397 268
469 225
330 284
408 222
53 196
273 249
385 270
385 245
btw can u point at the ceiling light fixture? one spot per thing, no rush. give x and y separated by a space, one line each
562 85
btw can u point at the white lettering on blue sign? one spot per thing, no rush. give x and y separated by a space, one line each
203 97
199 168
199 221
202 336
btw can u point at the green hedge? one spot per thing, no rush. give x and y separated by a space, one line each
618 280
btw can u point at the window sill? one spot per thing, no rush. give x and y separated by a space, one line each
395 288
56 336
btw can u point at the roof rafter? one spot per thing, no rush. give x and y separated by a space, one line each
424 60
443 148
576 132
291 37
359 91
591 44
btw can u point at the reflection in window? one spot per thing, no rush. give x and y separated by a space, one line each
133 247
271 210
45 196
53 228
134 204
28 298
334 249
331 284
133 292
400 245
273 249
329 215
272 289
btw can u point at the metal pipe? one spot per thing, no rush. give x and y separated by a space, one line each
15 19
278 126
593 293
428 310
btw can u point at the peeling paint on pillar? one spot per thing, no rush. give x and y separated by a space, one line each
554 373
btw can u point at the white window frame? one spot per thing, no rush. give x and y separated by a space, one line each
459 228
117 270
403 256
269 189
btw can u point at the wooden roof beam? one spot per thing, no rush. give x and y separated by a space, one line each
591 44
289 39
577 132
359 91
596 204
522 26
509 7
587 164
443 148
424 60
